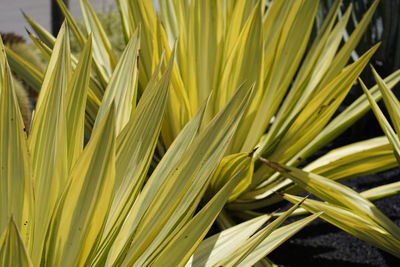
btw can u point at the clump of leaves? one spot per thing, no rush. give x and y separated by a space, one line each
66 204
293 87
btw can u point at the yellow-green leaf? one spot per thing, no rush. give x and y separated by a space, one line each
350 222
229 166
43 34
214 248
16 189
47 140
133 160
81 213
237 257
189 237
122 88
338 194
13 251
182 191
76 96
384 123
165 167
391 102
275 239
102 50
27 71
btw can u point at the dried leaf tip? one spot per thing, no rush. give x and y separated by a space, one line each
252 152
274 165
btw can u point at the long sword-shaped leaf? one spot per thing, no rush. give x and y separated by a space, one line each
143 127
142 12
102 47
314 117
337 194
103 76
350 222
165 167
236 258
126 20
122 88
281 61
275 239
345 52
356 159
216 247
182 191
47 140
344 120
16 190
12 248
248 51
391 102
43 34
82 210
132 159
223 244
27 71
373 194
310 74
72 23
76 96
94 94
189 237
384 123
320 109
382 191
201 46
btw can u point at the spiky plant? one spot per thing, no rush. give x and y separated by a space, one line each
66 204
294 87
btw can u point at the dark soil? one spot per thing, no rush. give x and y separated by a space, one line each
321 244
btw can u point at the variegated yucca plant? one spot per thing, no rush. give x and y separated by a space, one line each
64 203
240 98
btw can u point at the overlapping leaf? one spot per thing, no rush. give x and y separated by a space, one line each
356 159
47 140
81 213
338 194
174 204
13 251
100 204
393 106
352 223
16 197
122 88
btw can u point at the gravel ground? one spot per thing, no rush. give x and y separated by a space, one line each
321 244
